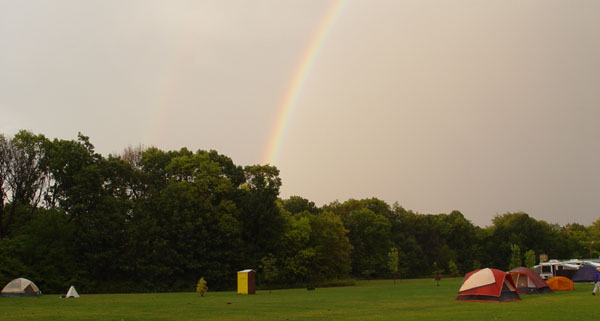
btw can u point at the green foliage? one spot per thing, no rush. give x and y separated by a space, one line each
12 265
270 270
452 268
370 236
23 177
515 257
393 261
297 204
525 232
594 230
152 220
260 216
529 259
314 249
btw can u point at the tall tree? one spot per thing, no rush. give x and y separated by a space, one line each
4 164
515 257
369 234
23 174
314 248
529 259
261 218
188 226
525 232
77 176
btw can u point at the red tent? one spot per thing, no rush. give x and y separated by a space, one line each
528 281
488 285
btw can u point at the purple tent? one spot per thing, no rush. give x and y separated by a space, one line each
584 274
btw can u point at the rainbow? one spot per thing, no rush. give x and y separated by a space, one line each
299 79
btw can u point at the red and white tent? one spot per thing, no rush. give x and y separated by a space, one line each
488 285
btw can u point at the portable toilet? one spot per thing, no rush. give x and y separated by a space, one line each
246 280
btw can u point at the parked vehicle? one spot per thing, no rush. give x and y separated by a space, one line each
553 268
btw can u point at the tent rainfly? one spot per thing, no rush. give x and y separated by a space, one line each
72 293
528 281
20 287
488 285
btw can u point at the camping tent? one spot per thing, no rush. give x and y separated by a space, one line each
488 285
20 287
72 293
528 281
560 283
585 274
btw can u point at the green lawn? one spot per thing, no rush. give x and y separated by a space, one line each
368 300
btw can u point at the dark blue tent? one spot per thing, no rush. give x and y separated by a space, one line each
584 274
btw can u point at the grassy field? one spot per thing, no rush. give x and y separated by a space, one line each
369 300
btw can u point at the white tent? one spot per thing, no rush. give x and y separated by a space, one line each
72 293
21 287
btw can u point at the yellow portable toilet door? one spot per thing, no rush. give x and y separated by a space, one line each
242 282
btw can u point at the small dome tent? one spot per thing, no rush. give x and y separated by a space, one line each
488 285
560 283
528 281
20 287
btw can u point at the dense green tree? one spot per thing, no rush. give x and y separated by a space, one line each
379 207
393 261
453 269
94 193
260 216
234 173
11 255
153 220
5 160
333 248
593 238
515 257
77 175
525 232
190 227
314 248
297 204
369 234
23 177
422 239
529 259
412 259
460 237
48 249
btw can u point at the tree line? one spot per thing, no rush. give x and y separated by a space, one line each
153 220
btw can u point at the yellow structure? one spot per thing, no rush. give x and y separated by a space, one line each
246 282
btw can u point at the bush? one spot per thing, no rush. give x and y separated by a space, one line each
201 286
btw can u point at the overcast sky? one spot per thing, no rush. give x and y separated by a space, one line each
484 107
